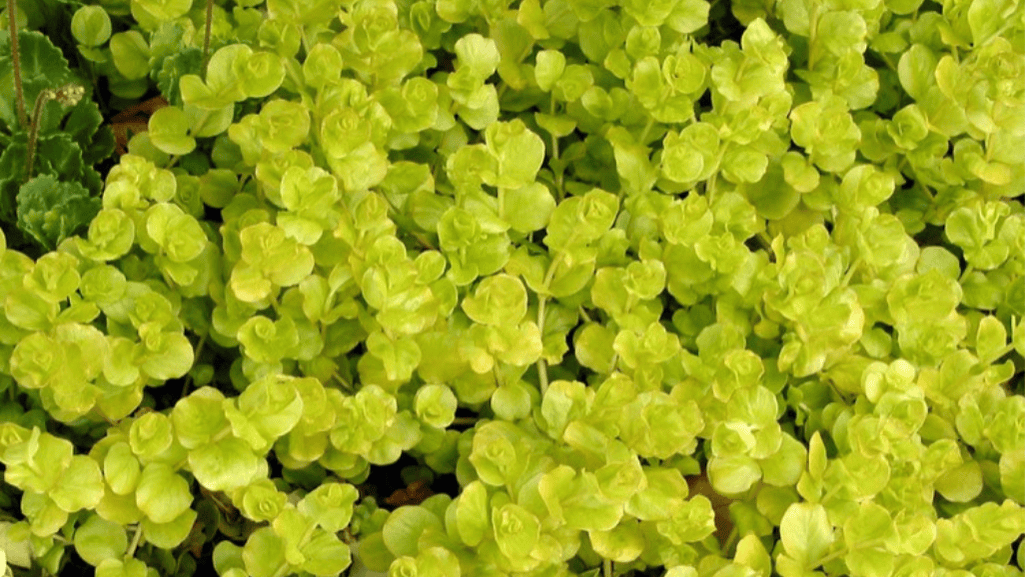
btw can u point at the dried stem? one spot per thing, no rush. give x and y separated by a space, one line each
12 26
68 95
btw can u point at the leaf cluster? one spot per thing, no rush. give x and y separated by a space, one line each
614 270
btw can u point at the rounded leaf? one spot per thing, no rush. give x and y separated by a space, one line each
121 469
499 300
80 485
261 501
264 552
435 405
91 27
262 74
404 526
225 465
549 65
162 494
169 131
131 54
529 207
98 539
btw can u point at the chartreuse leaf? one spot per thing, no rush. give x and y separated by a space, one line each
435 405
91 26
79 487
111 235
806 535
169 131
126 567
162 494
121 469
264 553
199 417
272 405
98 539
692 522
268 341
985 18
322 66
261 500
477 54
269 259
150 13
498 300
529 207
150 435
262 74
515 530
131 54
164 354
325 555
865 534
472 513
571 499
399 356
330 505
224 465
622 544
519 153
978 532
548 68
405 525
23 459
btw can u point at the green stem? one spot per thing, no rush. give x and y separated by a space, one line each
12 26
813 19
341 381
583 313
195 355
647 129
766 242
846 550
607 567
555 156
206 37
968 270
542 367
284 568
135 541
850 271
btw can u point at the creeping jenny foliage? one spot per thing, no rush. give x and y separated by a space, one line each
569 253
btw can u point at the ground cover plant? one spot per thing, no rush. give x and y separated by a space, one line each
512 288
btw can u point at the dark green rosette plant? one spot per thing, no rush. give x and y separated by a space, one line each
561 261
50 143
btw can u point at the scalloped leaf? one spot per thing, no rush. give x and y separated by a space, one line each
51 211
42 66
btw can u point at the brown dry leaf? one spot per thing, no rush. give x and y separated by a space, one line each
133 120
414 494
700 485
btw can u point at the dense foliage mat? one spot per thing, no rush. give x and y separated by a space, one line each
514 288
